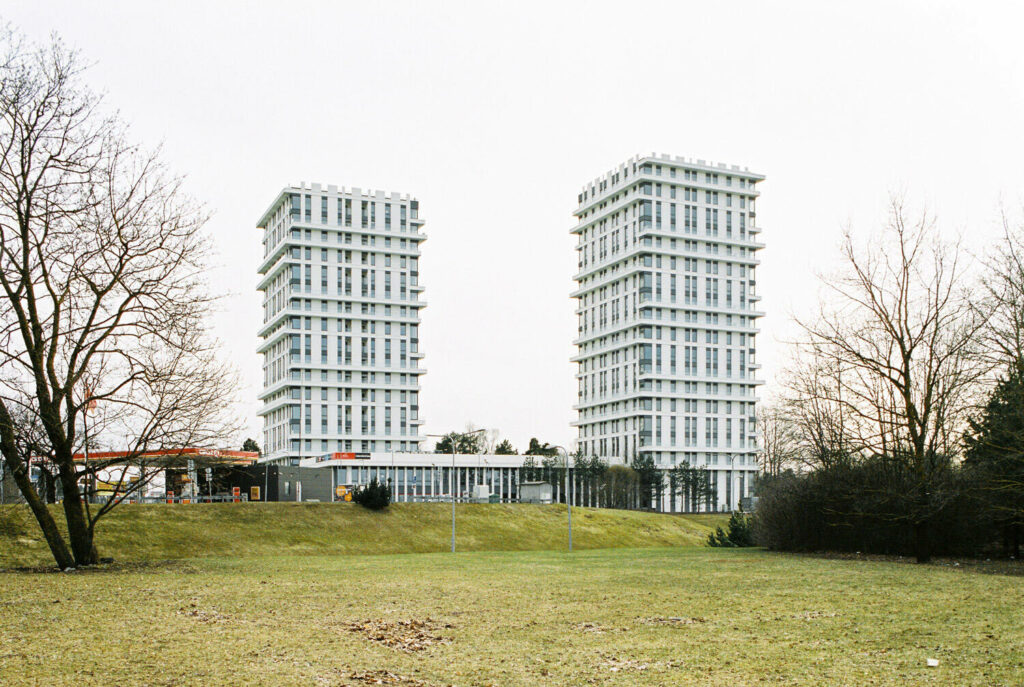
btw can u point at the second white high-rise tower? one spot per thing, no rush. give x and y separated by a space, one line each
667 307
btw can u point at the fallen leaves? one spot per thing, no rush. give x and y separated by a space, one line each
405 635
383 677
201 614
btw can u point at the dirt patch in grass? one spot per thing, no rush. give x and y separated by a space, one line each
814 615
382 677
589 627
405 635
615 664
192 610
673 621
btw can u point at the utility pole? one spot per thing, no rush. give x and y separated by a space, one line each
568 496
452 439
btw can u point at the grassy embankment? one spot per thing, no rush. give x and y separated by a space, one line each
160 532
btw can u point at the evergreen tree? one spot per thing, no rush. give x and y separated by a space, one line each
995 456
465 443
649 479
374 496
530 472
740 532
538 449
505 449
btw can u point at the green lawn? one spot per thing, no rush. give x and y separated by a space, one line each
650 616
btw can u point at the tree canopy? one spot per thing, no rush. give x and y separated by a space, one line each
538 449
505 448
463 443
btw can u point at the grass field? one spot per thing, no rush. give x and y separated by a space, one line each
282 605
601 617
159 532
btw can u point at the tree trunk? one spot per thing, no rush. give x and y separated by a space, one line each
49 486
58 547
23 478
79 531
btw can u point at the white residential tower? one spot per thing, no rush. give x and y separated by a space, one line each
341 316
668 308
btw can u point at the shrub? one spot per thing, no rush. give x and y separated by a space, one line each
740 533
375 495
869 507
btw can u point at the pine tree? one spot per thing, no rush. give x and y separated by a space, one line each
740 532
995 455
505 449
375 496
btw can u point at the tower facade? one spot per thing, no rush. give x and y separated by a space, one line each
341 317
668 309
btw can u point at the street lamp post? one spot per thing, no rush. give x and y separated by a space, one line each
568 496
452 480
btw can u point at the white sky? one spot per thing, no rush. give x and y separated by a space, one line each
495 115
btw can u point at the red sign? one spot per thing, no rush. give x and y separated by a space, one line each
342 456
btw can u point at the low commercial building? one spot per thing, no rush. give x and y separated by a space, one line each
435 476
423 476
266 482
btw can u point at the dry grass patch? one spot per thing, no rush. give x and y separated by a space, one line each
404 635
675 621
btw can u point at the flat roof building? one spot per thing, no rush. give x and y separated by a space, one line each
667 310
341 317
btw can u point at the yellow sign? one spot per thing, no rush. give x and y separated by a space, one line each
254 493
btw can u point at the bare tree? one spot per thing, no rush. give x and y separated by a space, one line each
1001 298
815 410
901 337
780 442
102 295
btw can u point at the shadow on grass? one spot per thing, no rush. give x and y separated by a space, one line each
986 566
176 566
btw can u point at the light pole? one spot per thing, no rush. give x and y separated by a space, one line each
568 497
452 480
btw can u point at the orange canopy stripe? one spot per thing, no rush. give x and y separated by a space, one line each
200 453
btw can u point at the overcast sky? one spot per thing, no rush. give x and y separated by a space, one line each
495 115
